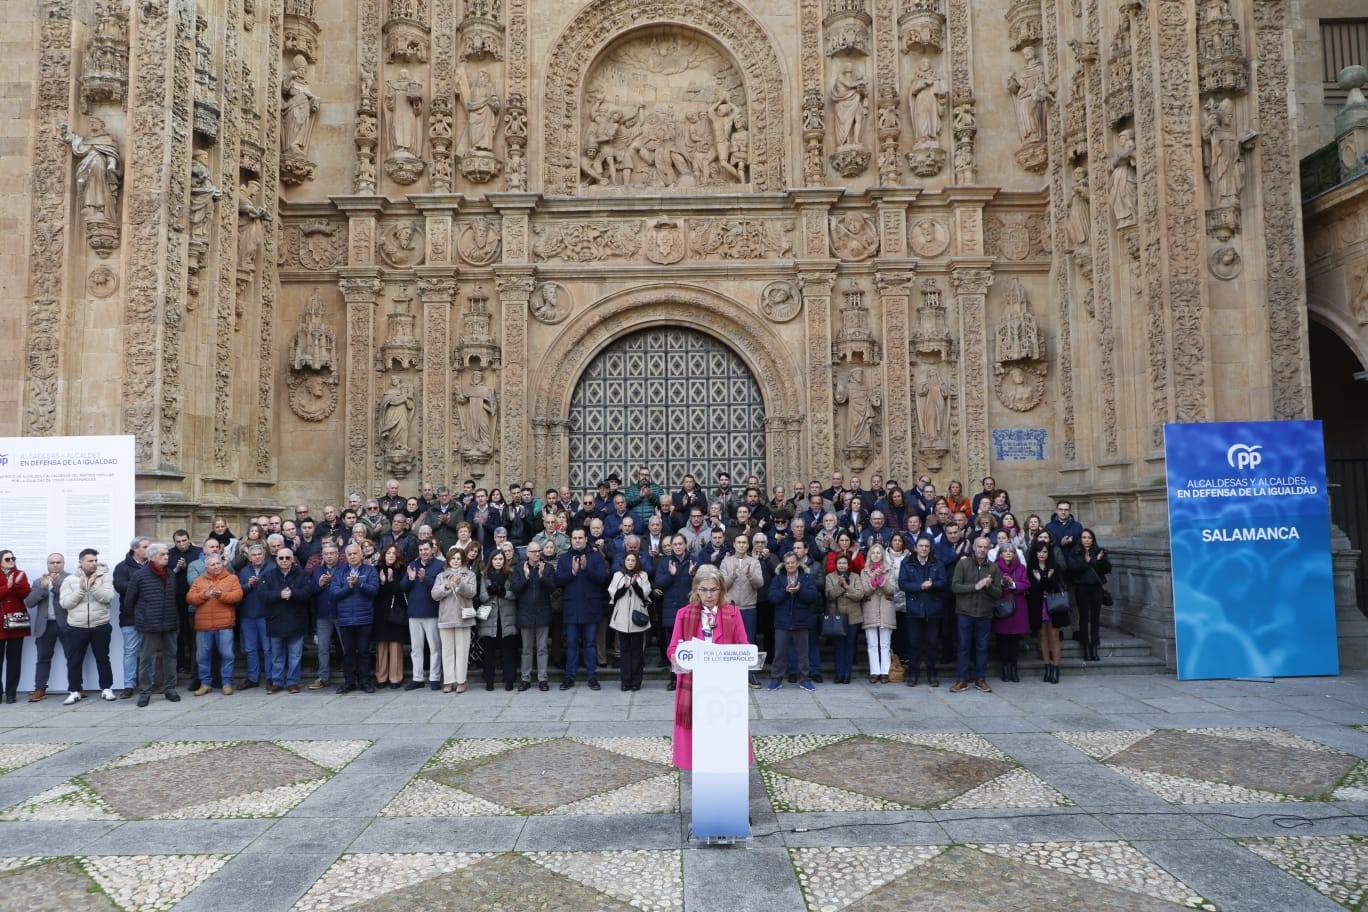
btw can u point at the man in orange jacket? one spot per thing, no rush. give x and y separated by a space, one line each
212 598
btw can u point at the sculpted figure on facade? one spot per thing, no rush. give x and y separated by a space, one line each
854 236
1122 192
657 148
401 245
395 411
862 404
203 194
1030 94
731 139
607 159
479 409
251 233
99 173
933 411
1223 151
404 110
850 106
926 98
298 114
482 106
1078 225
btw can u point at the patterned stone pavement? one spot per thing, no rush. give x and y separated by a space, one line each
1127 793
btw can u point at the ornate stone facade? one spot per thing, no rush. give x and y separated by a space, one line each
472 199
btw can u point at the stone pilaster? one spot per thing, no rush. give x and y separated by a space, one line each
816 283
970 280
437 291
439 211
361 289
514 285
895 289
226 275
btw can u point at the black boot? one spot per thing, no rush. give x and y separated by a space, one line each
1049 673
1054 674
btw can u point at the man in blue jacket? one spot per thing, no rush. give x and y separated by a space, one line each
794 596
422 615
582 576
1063 528
286 591
325 613
354 587
256 645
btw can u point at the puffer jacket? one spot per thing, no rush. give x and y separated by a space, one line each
215 613
845 601
152 601
92 606
287 617
793 610
455 590
878 586
675 586
629 594
503 615
355 604
923 603
534 591
744 578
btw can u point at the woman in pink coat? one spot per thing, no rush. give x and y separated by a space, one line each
708 616
1011 629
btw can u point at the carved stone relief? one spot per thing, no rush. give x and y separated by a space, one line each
932 334
929 237
854 341
854 236
406 31
203 194
478 242
482 30
780 301
301 29
922 26
402 350
404 112
1122 192
313 380
849 99
926 96
1030 96
740 238
1014 237
99 175
102 282
1225 263
966 128
298 114
104 76
665 242
207 115
588 241
481 105
477 348
402 245
1221 64
550 303
1223 161
1019 364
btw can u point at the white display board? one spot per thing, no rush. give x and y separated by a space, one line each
721 737
65 494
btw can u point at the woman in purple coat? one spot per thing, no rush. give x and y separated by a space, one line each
1011 629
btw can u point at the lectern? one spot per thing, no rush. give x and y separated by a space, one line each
721 738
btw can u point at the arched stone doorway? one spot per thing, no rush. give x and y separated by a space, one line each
677 401
1340 401
769 361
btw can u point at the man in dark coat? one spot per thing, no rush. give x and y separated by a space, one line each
534 582
286 590
422 615
795 598
183 554
582 574
133 561
151 599
353 588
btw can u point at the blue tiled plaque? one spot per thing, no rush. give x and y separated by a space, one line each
1019 444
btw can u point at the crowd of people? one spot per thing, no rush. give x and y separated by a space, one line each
522 583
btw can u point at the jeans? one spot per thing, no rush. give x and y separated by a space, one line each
534 643
973 639
286 655
633 657
97 638
581 638
46 645
157 654
355 652
923 644
323 632
256 645
789 644
877 641
845 649
132 645
425 630
1089 599
205 643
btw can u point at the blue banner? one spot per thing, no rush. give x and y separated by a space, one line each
1249 530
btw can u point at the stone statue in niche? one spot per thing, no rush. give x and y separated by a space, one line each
1078 223
607 159
925 104
1358 296
1122 191
933 411
862 404
1019 353
395 413
854 236
482 108
250 234
850 106
99 171
1030 94
730 137
203 194
1223 149
298 114
476 418
404 107
314 346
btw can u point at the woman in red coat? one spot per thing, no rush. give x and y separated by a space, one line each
14 587
707 616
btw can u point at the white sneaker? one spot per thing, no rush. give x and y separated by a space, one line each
73 697
108 694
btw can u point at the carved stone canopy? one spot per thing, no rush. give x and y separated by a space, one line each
922 26
401 349
477 347
854 341
104 77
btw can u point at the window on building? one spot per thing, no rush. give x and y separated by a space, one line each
1344 42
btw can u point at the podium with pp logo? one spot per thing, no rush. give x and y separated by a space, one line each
721 737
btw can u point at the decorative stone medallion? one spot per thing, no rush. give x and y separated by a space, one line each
550 302
929 237
780 301
102 282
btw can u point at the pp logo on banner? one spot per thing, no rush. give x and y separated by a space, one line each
1244 456
4 459
685 656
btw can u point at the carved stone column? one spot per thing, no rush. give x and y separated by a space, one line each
895 288
439 219
887 121
516 212
515 290
437 290
814 104
550 449
893 205
519 91
816 284
814 207
361 290
971 279
363 216
777 458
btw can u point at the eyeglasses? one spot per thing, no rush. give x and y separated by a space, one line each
7 560
284 558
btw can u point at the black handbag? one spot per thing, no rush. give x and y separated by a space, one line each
1005 607
1107 599
640 618
1057 604
18 620
833 625
398 609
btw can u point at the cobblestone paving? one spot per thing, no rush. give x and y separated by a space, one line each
1334 865
965 879
651 881
897 771
132 883
15 756
495 777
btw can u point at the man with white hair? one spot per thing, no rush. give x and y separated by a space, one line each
124 571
